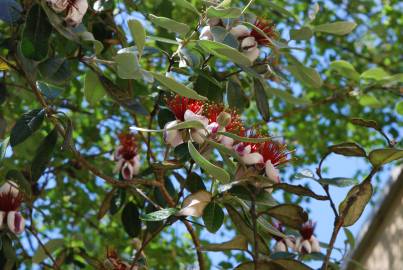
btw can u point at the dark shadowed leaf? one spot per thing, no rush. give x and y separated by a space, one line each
261 99
348 149
288 264
26 126
131 220
224 52
49 91
289 214
43 155
106 204
213 217
381 157
3 148
351 208
365 123
93 89
235 95
160 214
22 182
117 201
304 33
36 34
299 190
194 183
338 181
55 70
260 265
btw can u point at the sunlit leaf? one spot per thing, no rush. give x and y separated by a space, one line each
338 181
170 25
93 89
348 149
138 34
160 214
239 242
381 157
345 69
230 12
336 28
304 33
224 52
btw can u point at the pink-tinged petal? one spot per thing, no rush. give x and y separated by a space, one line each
199 135
271 172
205 33
172 137
191 116
15 222
252 158
280 247
2 218
127 171
240 31
10 187
252 54
194 204
314 244
136 165
117 154
290 241
305 247
227 142
76 13
58 5
248 44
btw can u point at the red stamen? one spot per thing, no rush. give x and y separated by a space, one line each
213 110
178 105
129 146
274 151
10 202
307 229
268 28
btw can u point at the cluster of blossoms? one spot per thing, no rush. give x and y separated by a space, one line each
74 9
305 244
215 118
262 34
126 157
10 202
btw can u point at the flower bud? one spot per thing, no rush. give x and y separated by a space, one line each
240 31
290 241
280 247
314 244
10 187
194 204
15 222
248 44
272 172
252 54
224 119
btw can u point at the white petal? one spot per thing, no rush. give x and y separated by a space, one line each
199 135
191 116
58 5
305 247
194 204
240 31
280 247
127 170
2 218
77 12
290 242
205 33
272 172
172 137
15 222
252 158
10 187
252 54
248 43
213 128
136 165
227 141
314 244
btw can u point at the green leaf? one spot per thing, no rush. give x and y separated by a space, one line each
336 28
304 174
351 208
187 5
376 74
176 87
170 25
194 183
365 123
260 265
36 34
49 91
224 52
26 126
117 201
17 177
239 242
287 97
245 139
338 181
345 69
55 70
308 76
10 11
286 14
3 148
287 264
304 33
350 238
43 155
160 214
224 150
289 214
217 12
138 33
213 217
209 87
348 149
370 101
299 190
235 95
128 66
130 219
261 99
180 125
213 170
381 157
399 107
51 246
93 89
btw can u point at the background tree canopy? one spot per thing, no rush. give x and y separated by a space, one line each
327 80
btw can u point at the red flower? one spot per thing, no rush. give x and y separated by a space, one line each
179 105
307 229
274 151
128 146
268 28
213 110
